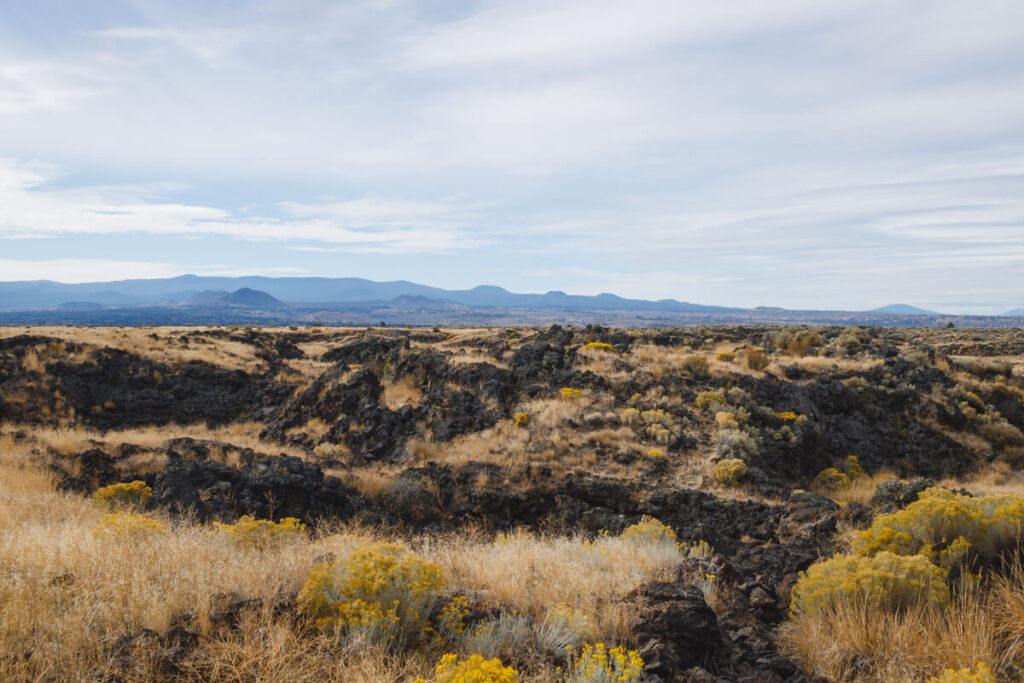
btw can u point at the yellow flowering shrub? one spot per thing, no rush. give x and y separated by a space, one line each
131 494
473 669
981 674
947 527
729 472
381 593
128 524
724 418
710 399
521 419
599 346
630 415
726 356
568 393
262 533
886 581
598 664
655 453
649 530
831 479
790 416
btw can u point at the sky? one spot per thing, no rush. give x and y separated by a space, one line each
799 153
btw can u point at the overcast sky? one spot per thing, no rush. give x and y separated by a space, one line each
797 153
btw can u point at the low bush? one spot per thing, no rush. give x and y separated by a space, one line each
735 443
597 664
729 472
599 346
726 356
711 401
980 674
128 524
795 341
131 494
569 393
948 528
884 581
756 360
381 594
697 365
262 533
473 669
563 628
831 479
649 530
521 419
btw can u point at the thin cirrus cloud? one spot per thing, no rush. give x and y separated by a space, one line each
806 154
30 208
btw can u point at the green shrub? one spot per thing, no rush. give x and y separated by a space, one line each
729 472
382 594
884 581
735 443
132 494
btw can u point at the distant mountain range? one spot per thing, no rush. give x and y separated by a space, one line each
193 299
197 290
903 309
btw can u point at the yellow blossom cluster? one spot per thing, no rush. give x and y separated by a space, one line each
729 472
598 664
569 393
947 528
885 581
131 494
981 674
381 593
473 669
128 524
262 533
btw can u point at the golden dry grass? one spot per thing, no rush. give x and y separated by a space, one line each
68 598
862 643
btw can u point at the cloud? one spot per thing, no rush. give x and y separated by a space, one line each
31 207
84 270
27 87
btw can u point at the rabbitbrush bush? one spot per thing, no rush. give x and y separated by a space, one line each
262 533
729 472
885 581
981 674
131 494
947 528
597 664
382 593
128 524
474 669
